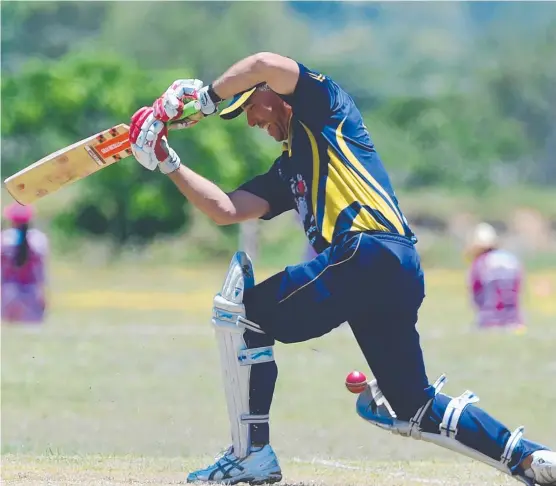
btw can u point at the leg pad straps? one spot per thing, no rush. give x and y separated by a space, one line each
449 425
373 407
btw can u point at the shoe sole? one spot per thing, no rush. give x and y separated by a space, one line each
274 478
270 480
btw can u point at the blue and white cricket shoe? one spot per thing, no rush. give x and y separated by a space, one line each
259 467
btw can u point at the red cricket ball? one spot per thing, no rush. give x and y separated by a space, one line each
356 382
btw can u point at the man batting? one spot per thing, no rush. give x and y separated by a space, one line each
367 271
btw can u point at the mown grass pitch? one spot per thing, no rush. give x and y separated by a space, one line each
93 470
122 385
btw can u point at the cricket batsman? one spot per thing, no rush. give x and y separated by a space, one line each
367 270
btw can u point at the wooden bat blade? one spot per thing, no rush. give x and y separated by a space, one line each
69 164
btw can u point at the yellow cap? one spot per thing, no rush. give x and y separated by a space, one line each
236 105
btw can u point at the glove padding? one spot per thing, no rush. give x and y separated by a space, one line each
184 103
149 143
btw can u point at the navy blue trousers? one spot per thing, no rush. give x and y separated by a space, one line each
374 282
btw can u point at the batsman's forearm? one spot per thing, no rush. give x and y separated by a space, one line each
279 72
242 75
205 195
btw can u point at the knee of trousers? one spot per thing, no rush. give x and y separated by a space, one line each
404 403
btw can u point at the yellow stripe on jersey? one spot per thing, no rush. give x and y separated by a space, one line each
316 168
344 187
386 205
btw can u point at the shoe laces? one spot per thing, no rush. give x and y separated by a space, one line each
227 451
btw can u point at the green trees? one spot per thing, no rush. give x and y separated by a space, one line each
452 140
462 98
56 104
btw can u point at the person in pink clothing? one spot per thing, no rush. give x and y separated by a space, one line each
495 281
24 252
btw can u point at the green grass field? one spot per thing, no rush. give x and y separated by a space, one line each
122 385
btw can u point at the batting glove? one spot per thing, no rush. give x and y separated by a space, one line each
185 103
149 142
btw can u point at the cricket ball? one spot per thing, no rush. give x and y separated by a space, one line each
356 382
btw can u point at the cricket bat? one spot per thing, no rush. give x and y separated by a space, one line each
80 160
70 164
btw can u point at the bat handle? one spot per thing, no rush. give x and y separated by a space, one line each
191 115
191 109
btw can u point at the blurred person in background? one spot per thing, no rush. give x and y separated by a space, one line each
495 281
24 253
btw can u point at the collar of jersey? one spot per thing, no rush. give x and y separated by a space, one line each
287 146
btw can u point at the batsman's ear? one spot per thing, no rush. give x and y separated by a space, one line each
235 107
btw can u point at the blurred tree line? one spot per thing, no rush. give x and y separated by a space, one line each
454 94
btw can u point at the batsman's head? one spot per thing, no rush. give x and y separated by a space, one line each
264 109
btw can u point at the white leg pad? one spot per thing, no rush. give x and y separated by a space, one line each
236 359
501 465
373 407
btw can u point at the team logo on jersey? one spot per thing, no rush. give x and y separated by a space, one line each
299 190
298 186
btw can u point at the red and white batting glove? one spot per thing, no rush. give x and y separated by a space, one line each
186 98
149 142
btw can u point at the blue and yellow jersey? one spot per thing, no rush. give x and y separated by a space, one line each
329 170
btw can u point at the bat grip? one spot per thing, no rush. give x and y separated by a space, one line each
191 114
191 109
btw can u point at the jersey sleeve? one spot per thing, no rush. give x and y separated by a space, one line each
314 98
273 189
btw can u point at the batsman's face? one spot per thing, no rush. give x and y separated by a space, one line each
266 110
